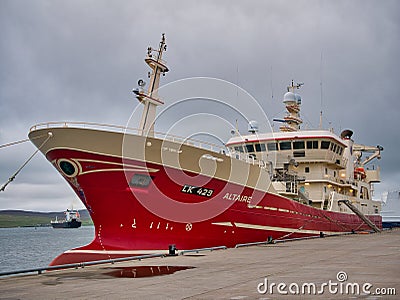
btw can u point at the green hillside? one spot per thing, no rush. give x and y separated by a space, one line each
21 218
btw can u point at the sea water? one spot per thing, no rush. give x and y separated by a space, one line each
35 247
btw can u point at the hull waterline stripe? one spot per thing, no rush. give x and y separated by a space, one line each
223 224
273 228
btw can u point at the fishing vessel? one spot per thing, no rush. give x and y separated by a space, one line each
146 191
71 220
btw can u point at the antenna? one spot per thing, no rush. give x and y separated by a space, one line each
237 127
321 94
272 89
237 80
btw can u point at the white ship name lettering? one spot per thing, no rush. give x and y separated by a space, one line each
237 197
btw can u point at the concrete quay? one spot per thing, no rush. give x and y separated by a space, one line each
358 266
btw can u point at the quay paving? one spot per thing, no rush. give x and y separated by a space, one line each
234 273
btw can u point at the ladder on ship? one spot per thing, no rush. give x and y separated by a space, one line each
360 214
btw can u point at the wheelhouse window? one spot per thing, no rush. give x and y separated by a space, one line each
298 145
260 147
312 144
285 146
238 148
325 144
250 148
272 146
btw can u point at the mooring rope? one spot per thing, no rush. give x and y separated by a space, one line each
336 222
49 135
295 231
21 141
14 143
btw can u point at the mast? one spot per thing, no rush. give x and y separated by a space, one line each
150 98
292 102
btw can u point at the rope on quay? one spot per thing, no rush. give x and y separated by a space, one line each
49 135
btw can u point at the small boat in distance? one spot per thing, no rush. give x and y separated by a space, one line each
72 220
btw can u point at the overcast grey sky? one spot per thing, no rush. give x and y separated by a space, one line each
79 60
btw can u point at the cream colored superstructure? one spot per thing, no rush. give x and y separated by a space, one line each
315 167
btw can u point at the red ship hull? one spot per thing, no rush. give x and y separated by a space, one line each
133 220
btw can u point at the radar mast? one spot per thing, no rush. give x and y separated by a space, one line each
150 99
292 102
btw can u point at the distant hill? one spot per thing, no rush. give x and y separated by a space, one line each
23 218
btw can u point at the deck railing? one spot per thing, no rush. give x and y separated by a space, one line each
130 130
164 136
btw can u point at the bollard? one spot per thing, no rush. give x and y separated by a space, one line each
172 250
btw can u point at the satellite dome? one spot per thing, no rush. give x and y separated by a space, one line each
298 98
289 97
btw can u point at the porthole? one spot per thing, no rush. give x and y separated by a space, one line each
68 167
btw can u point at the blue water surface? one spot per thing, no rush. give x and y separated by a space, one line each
35 247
